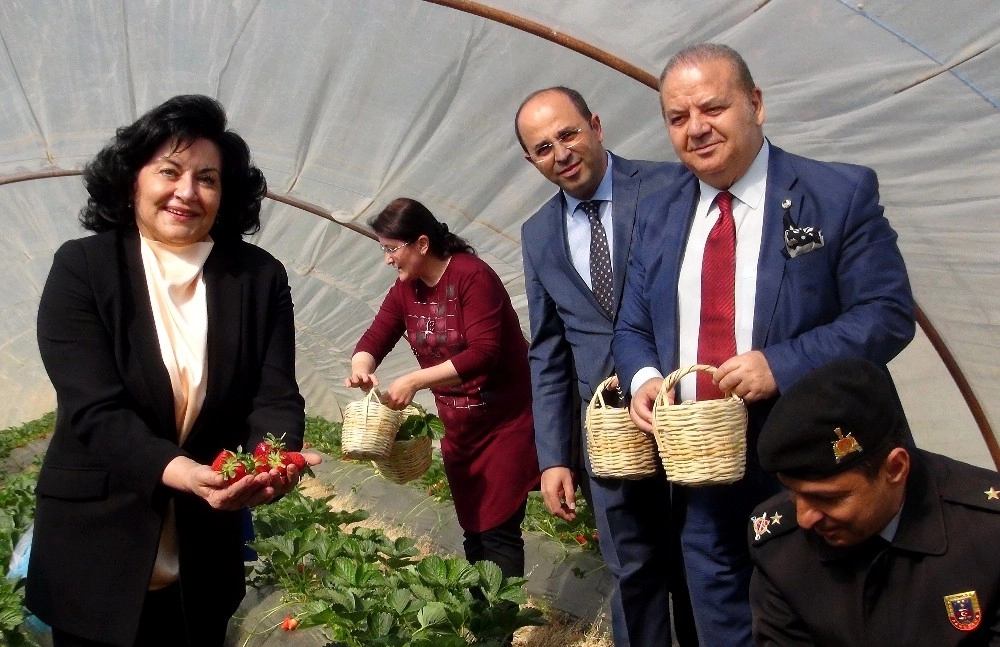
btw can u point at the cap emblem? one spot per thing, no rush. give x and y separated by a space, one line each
844 445
963 610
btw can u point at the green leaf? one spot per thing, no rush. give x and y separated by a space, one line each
381 623
422 424
422 592
432 614
434 570
399 600
490 578
461 574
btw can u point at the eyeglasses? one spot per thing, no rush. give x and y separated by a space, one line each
546 150
392 250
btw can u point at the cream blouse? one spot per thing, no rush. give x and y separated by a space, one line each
180 314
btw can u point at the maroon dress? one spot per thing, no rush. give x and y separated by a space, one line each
488 446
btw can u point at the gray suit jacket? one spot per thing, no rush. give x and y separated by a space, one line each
570 350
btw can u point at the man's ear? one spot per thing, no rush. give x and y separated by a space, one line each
897 466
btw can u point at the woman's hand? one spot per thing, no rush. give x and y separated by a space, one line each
280 485
186 475
361 380
400 393
362 372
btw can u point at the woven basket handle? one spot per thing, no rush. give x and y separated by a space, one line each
610 383
671 381
372 395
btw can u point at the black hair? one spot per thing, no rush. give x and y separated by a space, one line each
872 463
575 98
110 177
407 220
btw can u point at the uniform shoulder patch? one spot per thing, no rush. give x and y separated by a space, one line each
970 486
773 518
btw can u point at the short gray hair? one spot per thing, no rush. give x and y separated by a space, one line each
703 52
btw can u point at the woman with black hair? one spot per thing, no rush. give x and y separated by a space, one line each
459 322
167 339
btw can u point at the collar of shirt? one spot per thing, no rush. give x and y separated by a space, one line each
749 189
603 192
889 532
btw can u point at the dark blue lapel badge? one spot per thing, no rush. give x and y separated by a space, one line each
799 240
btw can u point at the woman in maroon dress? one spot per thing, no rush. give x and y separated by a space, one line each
459 322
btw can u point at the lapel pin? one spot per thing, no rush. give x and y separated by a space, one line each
786 204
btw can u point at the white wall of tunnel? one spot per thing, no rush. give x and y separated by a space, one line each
348 104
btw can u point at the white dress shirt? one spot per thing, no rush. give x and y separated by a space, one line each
748 214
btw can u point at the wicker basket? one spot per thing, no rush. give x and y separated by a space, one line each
616 448
409 459
369 428
700 443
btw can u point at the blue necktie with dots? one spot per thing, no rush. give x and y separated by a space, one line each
601 281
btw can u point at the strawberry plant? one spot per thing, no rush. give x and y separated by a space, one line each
434 481
323 435
581 531
361 588
19 436
17 507
420 424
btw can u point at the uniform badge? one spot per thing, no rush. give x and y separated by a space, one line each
992 493
844 445
760 526
963 610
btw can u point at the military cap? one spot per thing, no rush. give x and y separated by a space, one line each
830 420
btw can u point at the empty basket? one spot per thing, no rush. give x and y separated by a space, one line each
616 447
700 443
369 428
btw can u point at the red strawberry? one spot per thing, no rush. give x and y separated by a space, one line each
262 451
289 623
231 465
268 455
580 539
294 458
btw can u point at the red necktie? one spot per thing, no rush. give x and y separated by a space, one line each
717 334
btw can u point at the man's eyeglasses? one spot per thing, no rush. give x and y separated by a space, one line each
392 250
545 151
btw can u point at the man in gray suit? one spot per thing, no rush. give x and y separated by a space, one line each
572 306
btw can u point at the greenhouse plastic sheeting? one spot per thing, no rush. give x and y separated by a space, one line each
348 104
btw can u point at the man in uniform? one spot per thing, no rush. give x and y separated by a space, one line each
874 542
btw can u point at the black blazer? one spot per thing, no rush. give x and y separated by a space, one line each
100 503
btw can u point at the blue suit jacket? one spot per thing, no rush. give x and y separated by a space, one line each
570 332
849 298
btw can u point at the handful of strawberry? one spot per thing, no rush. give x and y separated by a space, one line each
269 454
233 465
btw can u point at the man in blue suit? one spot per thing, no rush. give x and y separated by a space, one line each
570 353
815 275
